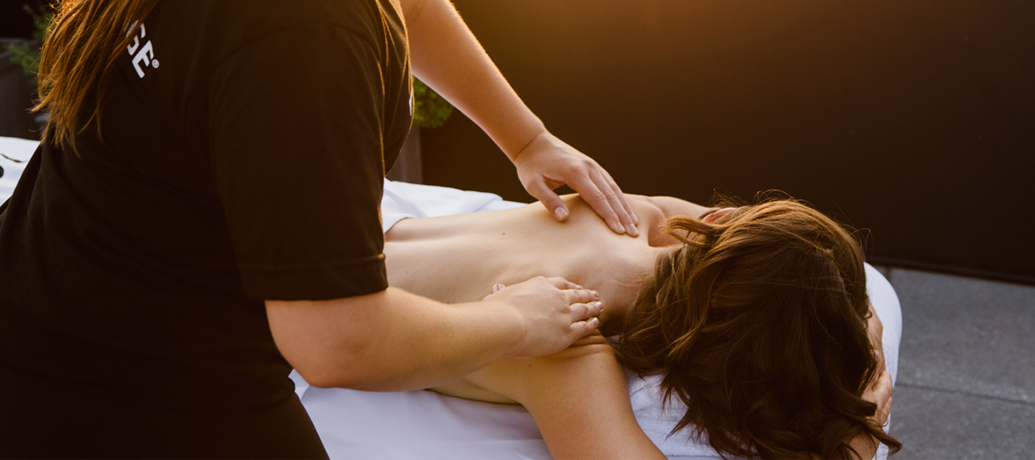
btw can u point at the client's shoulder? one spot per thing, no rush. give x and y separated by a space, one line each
671 206
654 210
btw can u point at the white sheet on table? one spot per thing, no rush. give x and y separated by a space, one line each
404 200
15 149
422 424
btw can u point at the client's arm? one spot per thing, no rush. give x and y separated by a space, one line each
875 329
878 393
394 340
579 399
446 56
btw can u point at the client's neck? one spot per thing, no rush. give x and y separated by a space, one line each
613 319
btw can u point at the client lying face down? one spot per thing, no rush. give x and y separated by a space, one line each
757 316
758 322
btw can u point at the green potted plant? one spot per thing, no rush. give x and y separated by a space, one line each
429 109
26 54
19 63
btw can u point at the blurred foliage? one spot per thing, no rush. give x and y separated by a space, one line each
27 54
429 109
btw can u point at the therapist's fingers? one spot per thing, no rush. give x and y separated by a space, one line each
604 196
547 163
585 311
616 199
621 196
584 302
553 203
599 200
583 328
579 298
555 313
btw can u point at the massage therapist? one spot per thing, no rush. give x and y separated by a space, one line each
202 217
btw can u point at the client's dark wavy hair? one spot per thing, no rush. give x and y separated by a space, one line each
758 325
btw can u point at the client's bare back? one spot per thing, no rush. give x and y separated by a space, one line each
459 258
578 397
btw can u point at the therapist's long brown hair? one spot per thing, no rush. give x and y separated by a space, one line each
758 324
78 60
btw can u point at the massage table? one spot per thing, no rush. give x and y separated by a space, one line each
427 425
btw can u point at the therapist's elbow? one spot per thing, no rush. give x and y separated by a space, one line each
329 369
326 349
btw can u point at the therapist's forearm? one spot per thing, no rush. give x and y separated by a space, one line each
391 340
446 55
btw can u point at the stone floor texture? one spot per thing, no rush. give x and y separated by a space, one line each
966 383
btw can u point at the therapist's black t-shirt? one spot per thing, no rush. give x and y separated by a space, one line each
243 150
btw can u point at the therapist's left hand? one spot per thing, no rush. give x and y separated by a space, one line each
547 163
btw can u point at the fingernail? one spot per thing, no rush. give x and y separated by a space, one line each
594 322
599 305
560 213
617 227
497 287
636 220
595 294
633 230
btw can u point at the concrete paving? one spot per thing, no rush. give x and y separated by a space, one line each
966 385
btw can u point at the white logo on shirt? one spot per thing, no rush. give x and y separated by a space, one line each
142 55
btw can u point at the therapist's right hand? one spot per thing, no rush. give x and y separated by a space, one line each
554 312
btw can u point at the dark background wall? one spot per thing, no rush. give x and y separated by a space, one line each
16 94
913 119
14 21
